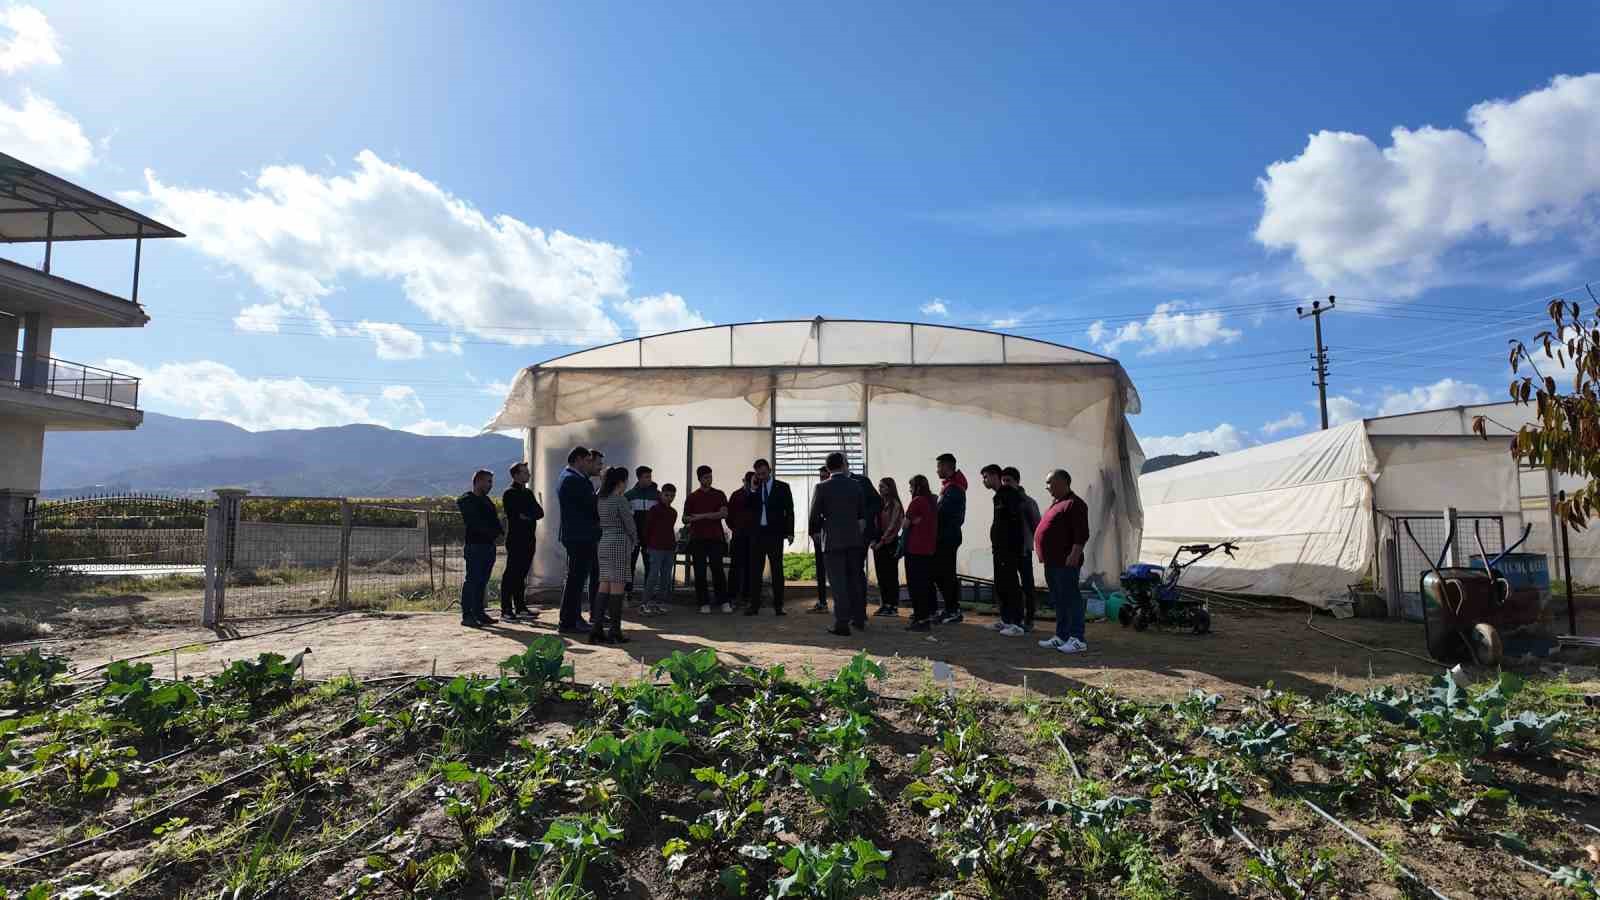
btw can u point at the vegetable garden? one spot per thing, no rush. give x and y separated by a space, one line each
705 780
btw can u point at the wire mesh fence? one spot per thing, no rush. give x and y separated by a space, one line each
1432 532
280 556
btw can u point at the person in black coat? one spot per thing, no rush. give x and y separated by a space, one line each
580 535
523 513
770 509
481 524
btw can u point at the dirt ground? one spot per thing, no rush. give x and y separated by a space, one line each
1247 648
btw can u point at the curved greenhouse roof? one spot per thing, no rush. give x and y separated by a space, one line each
746 359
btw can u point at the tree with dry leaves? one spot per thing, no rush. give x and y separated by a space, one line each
1565 435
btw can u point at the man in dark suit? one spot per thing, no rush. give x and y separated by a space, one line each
770 509
838 511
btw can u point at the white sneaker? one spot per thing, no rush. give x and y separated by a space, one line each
1054 643
727 607
1073 645
998 626
705 609
1012 631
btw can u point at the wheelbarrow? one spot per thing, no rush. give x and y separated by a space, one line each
1470 603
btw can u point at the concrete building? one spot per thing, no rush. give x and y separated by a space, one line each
40 393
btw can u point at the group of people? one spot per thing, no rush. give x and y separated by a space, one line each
607 531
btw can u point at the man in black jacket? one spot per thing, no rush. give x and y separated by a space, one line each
482 526
522 514
771 515
821 606
951 516
1005 539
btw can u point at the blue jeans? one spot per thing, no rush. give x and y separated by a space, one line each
480 562
1064 596
658 576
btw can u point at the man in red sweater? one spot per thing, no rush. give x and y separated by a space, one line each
1059 541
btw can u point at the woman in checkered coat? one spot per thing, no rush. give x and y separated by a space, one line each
618 536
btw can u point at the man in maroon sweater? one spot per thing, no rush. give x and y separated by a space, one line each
1059 541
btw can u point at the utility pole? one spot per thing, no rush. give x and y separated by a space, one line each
1321 356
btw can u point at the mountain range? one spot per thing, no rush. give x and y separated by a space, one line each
192 456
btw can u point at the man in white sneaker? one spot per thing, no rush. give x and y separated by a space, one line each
1059 541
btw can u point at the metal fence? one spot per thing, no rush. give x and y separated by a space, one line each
278 556
118 534
1431 532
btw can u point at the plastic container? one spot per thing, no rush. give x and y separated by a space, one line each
1524 571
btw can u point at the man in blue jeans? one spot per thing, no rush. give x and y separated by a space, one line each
1059 541
482 525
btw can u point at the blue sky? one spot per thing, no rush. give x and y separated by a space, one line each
393 207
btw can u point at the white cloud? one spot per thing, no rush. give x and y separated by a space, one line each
211 390
272 317
42 134
297 233
935 307
392 341
1442 394
496 388
660 313
1526 172
29 41
403 397
1222 439
438 428
1168 328
1007 322
1345 409
453 346
1292 421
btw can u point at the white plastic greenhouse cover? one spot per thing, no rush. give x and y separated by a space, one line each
917 390
1301 510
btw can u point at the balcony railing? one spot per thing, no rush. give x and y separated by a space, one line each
69 379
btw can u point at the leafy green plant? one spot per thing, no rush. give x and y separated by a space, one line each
474 708
93 770
30 675
1579 881
843 737
268 677
848 689
540 667
1205 786
717 833
468 798
524 779
842 871
696 672
769 725
575 845
297 768
636 761
841 789
1198 708
1455 817
1094 835
1260 745
138 703
1287 877
403 871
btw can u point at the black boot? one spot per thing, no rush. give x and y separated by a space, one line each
614 609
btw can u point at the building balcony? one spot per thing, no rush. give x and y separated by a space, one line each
67 395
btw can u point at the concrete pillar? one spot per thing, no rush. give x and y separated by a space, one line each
36 337
14 506
21 454
10 329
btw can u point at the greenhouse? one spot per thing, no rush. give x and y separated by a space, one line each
890 395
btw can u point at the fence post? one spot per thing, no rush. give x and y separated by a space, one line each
1451 537
427 547
209 613
344 553
229 502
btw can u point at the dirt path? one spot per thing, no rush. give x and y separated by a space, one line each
1245 651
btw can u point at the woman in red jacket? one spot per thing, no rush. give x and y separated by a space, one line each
921 537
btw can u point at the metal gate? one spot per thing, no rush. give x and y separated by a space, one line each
1431 531
119 534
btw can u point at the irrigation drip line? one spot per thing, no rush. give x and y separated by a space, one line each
1257 851
1369 649
223 640
33 642
1358 838
90 841
1076 775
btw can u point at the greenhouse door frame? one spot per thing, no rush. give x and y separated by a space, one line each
860 426
689 480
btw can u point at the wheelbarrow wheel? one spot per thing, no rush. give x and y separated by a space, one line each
1484 642
1202 622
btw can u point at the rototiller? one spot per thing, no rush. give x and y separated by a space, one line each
1153 597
